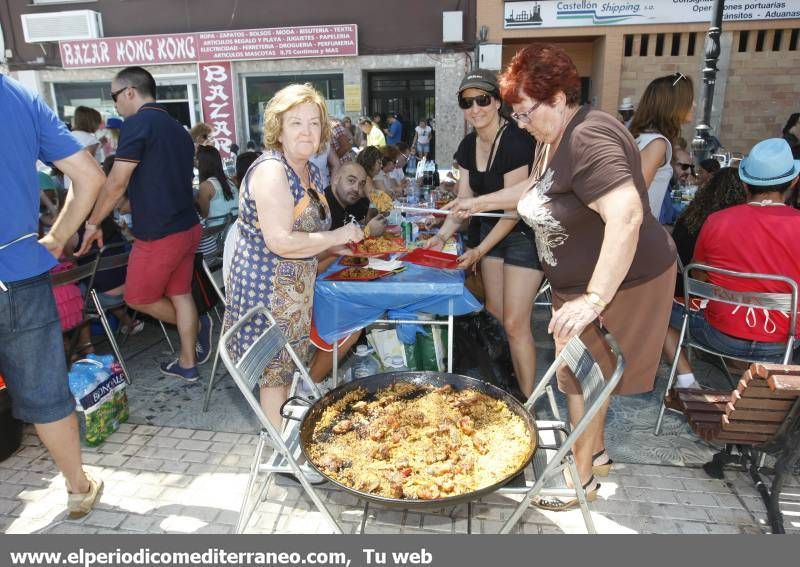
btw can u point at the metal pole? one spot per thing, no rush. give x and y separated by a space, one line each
701 142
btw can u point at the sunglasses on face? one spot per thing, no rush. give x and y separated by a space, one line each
323 213
685 166
465 102
115 94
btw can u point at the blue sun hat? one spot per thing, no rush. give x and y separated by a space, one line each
770 162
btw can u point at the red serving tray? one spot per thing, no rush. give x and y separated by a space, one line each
399 246
432 259
340 276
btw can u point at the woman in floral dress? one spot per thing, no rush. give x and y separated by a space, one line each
283 227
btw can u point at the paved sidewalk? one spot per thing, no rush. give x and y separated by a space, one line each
167 480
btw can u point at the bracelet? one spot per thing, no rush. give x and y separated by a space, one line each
90 226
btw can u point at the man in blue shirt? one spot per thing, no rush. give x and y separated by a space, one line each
31 348
154 161
395 130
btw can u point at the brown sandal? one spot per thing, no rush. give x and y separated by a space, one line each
605 468
556 504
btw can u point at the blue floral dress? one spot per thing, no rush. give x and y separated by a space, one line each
260 277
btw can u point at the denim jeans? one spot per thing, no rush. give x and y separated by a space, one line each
32 352
703 333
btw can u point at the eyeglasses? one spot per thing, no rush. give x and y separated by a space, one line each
465 102
685 166
323 213
115 94
678 78
524 116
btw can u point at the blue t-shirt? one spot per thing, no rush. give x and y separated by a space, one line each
31 131
160 189
395 133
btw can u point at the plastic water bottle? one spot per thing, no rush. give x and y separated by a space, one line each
81 382
364 364
396 364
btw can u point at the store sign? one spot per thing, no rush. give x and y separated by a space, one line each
235 45
216 96
568 14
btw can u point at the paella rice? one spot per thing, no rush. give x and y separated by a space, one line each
410 441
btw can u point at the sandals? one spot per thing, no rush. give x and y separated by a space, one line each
603 469
556 504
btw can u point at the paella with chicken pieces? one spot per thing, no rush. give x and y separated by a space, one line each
419 442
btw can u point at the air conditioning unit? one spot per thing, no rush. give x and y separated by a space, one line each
56 26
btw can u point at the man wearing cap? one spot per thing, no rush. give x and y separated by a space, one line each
626 111
395 130
768 245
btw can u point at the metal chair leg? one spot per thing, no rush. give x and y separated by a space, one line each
210 386
166 336
244 514
673 372
110 334
581 494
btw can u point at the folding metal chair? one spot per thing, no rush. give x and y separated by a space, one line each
212 237
557 437
285 444
79 273
785 303
545 294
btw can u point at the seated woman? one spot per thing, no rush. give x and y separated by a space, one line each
217 197
370 158
384 179
708 167
758 236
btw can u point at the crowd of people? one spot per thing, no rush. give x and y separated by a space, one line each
583 193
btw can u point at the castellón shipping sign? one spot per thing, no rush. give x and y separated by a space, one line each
579 13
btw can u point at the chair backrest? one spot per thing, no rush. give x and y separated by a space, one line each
113 256
215 226
79 272
785 303
596 387
248 369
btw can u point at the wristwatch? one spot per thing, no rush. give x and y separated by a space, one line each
595 300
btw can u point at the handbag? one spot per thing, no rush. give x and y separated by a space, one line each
203 293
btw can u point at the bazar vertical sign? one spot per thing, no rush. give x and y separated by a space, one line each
236 45
216 96
579 13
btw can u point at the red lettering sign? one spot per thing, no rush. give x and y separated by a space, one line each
236 45
216 96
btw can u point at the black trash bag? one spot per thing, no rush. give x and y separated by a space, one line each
11 428
480 346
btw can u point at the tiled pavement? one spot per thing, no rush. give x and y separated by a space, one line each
167 480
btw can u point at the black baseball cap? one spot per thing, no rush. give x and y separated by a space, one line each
482 79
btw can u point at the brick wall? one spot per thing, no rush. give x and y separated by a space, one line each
763 90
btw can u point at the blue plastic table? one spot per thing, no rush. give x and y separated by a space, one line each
342 307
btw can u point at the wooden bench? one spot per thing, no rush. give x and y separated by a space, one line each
761 416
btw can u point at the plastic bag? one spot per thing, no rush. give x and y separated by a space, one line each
99 387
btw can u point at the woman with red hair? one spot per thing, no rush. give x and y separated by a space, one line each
585 200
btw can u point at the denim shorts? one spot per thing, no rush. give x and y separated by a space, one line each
423 148
32 352
518 248
702 332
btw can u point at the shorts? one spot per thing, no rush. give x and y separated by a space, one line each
29 327
161 268
518 248
423 148
320 343
702 332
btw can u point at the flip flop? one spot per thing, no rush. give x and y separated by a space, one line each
605 468
556 504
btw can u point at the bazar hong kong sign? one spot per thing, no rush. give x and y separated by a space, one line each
234 45
577 13
216 95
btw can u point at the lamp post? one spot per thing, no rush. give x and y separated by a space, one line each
701 142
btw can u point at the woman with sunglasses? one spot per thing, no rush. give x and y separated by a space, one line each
666 105
494 155
603 255
283 227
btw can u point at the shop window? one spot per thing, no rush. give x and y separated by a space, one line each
645 40
760 37
793 40
628 45
776 40
260 89
676 44
659 44
744 35
692 43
